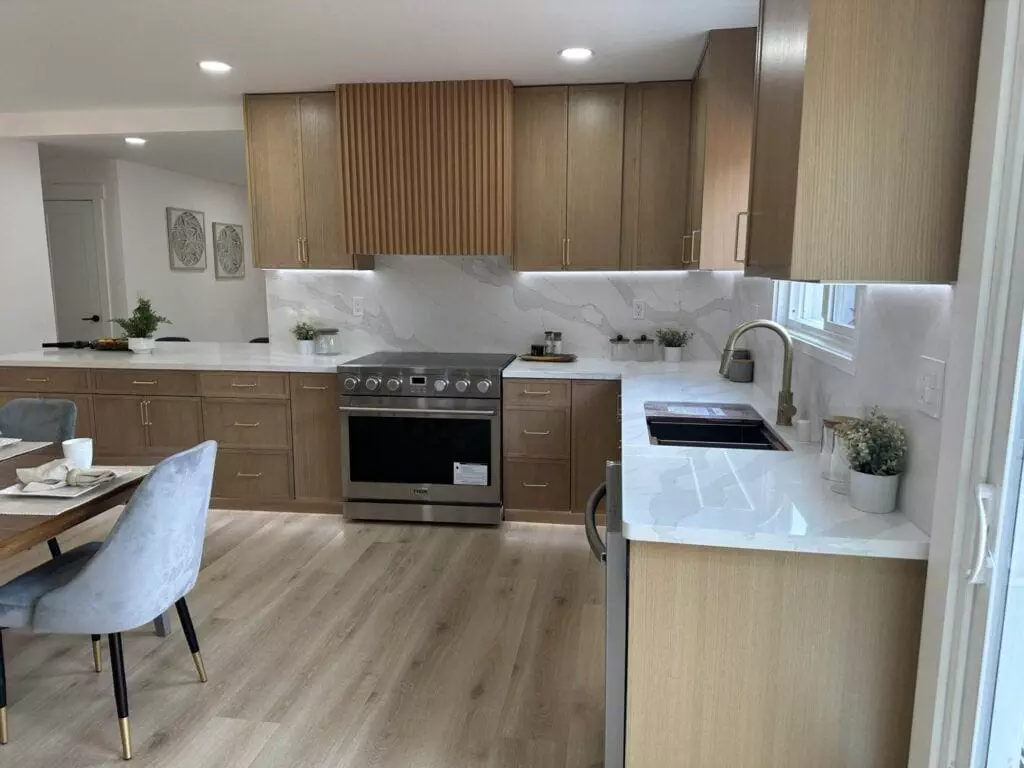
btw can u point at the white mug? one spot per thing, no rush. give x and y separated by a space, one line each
78 452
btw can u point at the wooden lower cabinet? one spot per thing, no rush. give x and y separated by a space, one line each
770 659
540 486
596 436
150 426
120 425
316 437
253 475
174 424
247 423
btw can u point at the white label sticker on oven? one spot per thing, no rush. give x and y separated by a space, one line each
470 474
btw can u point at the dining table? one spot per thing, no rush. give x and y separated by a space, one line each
27 522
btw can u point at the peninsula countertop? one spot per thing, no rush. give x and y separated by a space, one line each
742 499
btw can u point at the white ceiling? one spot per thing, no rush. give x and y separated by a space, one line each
86 54
213 155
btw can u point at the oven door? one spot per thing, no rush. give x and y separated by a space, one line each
426 450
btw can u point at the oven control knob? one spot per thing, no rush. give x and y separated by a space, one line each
394 384
351 383
440 385
483 386
373 383
462 385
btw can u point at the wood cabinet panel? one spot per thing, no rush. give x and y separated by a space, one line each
274 163
244 384
252 475
536 434
537 485
247 423
120 382
173 424
656 175
594 176
537 393
426 166
42 380
698 164
595 436
326 244
119 425
541 157
316 436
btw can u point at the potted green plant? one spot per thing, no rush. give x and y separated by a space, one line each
140 326
674 340
876 447
304 333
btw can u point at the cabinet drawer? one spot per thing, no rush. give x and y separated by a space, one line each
244 384
537 485
537 434
44 379
145 382
244 475
246 424
537 393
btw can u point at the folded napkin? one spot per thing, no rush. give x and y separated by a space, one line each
8 441
58 474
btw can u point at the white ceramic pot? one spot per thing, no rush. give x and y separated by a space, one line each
874 493
673 354
305 346
141 346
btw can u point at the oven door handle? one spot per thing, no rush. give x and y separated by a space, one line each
438 411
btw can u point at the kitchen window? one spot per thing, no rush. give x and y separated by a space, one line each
822 319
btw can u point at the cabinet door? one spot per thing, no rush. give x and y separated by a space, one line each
595 436
316 436
119 426
326 245
84 422
698 140
539 137
656 175
174 424
594 176
274 157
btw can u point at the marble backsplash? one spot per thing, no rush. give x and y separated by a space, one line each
480 304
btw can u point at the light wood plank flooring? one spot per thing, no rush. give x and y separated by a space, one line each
342 645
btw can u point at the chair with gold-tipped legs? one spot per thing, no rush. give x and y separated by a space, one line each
148 563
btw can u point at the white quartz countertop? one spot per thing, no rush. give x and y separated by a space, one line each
742 499
191 356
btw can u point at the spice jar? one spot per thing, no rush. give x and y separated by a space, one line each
621 349
644 349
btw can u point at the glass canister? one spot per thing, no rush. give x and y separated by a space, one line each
621 349
325 342
645 349
832 461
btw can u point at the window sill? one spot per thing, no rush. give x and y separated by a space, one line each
814 347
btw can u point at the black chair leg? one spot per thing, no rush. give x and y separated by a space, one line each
190 636
3 693
54 547
120 694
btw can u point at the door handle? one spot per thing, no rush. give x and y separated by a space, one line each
597 546
92 318
682 256
978 573
694 259
298 249
142 412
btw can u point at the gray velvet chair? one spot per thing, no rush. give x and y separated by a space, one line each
149 562
34 419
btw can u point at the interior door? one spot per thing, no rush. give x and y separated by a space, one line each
76 273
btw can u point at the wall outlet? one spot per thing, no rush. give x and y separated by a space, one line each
639 309
357 306
931 380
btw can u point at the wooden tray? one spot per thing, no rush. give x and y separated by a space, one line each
548 358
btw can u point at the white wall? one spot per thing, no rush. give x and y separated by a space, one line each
26 295
200 307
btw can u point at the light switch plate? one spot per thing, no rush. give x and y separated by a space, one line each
639 309
357 306
931 381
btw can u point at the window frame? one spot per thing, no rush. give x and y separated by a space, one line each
829 342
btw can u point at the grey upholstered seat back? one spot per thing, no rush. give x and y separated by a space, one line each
38 420
151 558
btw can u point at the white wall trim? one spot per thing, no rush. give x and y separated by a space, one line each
39 125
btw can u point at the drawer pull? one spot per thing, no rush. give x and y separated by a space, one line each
537 434
144 383
36 380
249 475
535 485
244 424
537 392
315 389
236 385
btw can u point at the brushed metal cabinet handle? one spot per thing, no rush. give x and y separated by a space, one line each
536 434
298 249
142 412
537 392
249 475
314 389
144 383
682 256
236 385
36 380
535 485
245 424
568 252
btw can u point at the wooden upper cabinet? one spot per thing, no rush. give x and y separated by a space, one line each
292 155
656 175
862 134
427 167
723 106
568 176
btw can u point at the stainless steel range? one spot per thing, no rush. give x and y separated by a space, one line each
421 436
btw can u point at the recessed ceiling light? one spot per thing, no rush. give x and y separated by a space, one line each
215 67
576 54
136 140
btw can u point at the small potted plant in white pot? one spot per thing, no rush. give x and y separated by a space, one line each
304 334
674 340
139 328
877 450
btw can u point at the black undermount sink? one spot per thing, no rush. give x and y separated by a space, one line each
710 425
